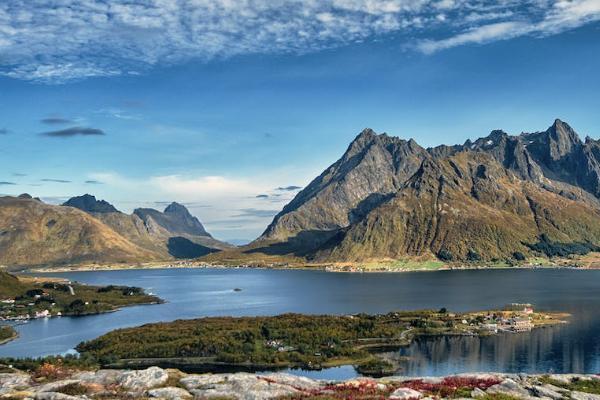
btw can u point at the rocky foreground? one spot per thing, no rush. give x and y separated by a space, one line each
159 383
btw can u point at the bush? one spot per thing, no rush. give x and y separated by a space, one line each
517 255
445 255
558 249
472 255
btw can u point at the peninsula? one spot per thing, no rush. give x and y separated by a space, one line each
23 298
294 340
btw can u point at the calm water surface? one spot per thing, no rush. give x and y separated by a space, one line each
194 293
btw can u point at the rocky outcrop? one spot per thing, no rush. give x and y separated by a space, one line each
172 384
497 197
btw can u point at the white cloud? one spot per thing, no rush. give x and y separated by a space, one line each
60 40
205 187
226 203
556 17
482 34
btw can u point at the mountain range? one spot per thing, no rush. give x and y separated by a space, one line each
499 197
87 230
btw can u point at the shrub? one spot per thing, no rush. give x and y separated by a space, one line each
445 255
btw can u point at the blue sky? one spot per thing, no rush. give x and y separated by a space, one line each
213 103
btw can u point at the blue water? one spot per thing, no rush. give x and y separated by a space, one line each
192 293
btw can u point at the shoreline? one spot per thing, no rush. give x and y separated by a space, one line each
15 336
308 267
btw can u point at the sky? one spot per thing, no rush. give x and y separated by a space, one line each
230 107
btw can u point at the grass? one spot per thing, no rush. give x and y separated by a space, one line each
407 264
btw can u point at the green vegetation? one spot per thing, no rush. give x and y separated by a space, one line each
34 364
578 385
557 249
7 333
376 367
22 299
284 340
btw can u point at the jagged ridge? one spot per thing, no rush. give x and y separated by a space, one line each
492 198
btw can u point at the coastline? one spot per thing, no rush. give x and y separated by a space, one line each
313 267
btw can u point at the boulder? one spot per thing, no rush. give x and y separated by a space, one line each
298 382
405 394
170 393
142 380
104 377
56 396
550 391
55 386
510 388
241 386
9 382
584 396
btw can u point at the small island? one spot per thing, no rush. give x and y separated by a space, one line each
24 298
299 341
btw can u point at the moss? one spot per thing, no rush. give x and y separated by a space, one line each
74 389
578 385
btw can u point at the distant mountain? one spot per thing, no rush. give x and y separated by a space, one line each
33 233
88 203
498 197
172 233
176 219
87 230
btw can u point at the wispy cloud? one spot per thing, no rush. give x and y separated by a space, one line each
93 182
551 18
55 121
255 212
5 183
58 41
75 131
290 188
19 174
262 196
55 180
3 131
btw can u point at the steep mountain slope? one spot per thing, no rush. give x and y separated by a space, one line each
174 233
500 196
373 167
34 233
467 207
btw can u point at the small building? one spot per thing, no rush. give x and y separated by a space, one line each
42 314
521 325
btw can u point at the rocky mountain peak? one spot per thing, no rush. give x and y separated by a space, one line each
176 219
562 138
88 203
176 208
